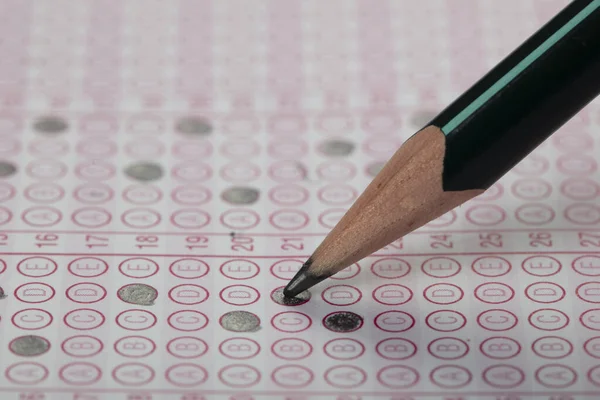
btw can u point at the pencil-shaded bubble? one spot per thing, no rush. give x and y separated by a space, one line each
240 321
144 171
240 195
374 168
138 293
29 346
278 297
2 295
193 126
337 148
422 118
7 169
50 124
343 321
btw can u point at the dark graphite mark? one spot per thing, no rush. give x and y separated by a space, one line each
343 321
278 297
50 125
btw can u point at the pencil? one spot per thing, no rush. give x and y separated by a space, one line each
472 143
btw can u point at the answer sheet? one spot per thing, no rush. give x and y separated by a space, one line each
167 166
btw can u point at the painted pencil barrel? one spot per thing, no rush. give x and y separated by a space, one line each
523 100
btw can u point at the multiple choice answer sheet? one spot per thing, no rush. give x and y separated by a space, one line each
167 166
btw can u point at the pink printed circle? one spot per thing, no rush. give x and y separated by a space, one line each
396 349
82 346
93 193
189 268
289 220
450 376
41 193
588 265
288 195
138 267
394 321
446 320
239 376
241 269
500 348
86 293
140 218
292 376
339 377
188 294
134 346
556 376
541 266
142 195
344 349
240 219
341 295
26 373
448 348
41 216
491 266
390 268
548 319
239 348
580 189
392 295
398 377
32 319
503 376
34 267
583 214
191 195
545 292
494 293
187 320
295 322
91 217
291 349
239 295
532 189
443 293
136 320
553 347
187 347
441 267
497 320
133 374
535 214
485 215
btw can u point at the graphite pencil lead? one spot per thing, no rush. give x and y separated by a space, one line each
303 280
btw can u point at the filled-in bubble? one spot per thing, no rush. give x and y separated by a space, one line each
138 293
343 321
7 169
144 171
193 126
29 346
50 125
278 297
240 195
240 321
337 148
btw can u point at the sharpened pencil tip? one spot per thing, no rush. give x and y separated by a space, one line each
303 280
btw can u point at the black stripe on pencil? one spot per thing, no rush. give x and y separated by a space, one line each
472 143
